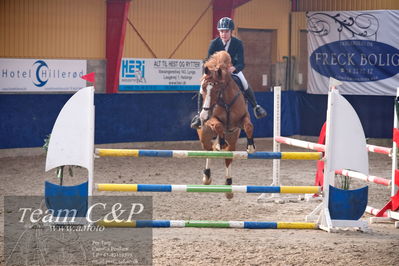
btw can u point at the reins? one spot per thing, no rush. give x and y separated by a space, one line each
226 106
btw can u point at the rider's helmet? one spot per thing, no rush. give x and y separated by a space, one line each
225 24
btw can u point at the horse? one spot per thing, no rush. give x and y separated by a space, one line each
224 113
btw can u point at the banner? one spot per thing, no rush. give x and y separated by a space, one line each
159 74
359 48
33 75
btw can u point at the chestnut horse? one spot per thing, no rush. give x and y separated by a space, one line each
224 113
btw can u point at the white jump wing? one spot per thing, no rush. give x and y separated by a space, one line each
72 138
347 142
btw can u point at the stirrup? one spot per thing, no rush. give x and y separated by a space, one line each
259 112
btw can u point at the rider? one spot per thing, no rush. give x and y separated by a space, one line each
234 47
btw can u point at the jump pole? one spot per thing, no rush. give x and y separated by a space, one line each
237 155
367 178
206 188
208 224
320 147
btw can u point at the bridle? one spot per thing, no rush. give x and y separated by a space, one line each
221 102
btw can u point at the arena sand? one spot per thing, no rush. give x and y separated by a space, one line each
23 173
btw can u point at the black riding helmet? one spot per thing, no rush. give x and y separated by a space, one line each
225 24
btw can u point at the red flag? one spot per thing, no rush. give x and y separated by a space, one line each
91 77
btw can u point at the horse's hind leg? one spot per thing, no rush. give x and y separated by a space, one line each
229 178
206 178
249 131
232 140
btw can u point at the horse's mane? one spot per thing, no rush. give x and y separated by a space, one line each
219 60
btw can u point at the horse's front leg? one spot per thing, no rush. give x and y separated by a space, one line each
217 127
205 136
221 145
249 131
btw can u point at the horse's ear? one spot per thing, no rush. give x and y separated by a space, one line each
206 71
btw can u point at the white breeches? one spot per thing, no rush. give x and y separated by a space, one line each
243 80
240 75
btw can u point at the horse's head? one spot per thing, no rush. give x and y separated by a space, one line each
213 83
216 74
215 79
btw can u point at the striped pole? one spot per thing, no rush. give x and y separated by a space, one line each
300 143
374 211
207 224
388 215
209 154
369 178
207 188
320 147
379 149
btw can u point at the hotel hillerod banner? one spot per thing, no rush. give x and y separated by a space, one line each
41 75
359 48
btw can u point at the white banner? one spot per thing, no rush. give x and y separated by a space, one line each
160 74
359 48
41 75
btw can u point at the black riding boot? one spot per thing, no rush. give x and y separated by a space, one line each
259 112
196 121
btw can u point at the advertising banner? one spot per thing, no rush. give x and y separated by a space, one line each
35 75
359 48
153 74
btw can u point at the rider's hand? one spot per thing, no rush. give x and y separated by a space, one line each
232 69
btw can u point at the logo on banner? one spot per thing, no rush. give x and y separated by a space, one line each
134 70
159 74
359 58
41 79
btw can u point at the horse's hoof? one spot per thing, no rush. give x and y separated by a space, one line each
251 149
229 195
221 144
229 182
206 180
